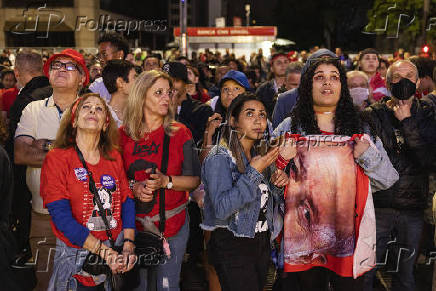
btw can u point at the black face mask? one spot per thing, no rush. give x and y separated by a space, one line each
404 89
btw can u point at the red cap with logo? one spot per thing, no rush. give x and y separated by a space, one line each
72 54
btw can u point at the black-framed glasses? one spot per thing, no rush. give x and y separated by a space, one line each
57 65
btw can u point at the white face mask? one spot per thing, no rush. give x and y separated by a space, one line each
359 95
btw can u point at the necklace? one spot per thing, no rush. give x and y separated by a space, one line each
117 110
118 113
324 112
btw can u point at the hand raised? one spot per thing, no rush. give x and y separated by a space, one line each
402 110
260 163
360 146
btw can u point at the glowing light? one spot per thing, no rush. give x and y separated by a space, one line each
425 49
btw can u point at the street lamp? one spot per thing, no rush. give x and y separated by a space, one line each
183 27
247 14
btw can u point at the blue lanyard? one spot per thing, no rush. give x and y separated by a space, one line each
60 112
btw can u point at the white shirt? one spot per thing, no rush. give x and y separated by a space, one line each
39 120
115 116
98 87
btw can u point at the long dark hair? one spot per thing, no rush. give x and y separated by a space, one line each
229 136
347 119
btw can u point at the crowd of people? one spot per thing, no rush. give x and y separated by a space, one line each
307 165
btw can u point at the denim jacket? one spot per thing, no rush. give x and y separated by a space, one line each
233 199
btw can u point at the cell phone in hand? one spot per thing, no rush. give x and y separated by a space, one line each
142 176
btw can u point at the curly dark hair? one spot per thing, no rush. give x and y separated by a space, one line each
347 119
116 40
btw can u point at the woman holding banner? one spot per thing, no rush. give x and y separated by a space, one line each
335 165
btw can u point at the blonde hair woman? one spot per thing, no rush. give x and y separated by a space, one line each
148 120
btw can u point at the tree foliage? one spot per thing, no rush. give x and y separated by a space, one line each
330 23
401 20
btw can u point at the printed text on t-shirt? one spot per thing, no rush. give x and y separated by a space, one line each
143 150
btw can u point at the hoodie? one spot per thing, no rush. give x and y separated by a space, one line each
287 100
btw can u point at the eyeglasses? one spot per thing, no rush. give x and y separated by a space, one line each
160 93
57 65
235 90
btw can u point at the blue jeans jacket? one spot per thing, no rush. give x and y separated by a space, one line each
233 199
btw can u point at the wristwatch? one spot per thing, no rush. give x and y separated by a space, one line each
132 183
47 146
170 183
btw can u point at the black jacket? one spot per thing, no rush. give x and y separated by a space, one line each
6 186
7 241
408 152
194 114
36 89
268 95
428 132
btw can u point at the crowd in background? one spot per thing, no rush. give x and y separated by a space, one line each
196 102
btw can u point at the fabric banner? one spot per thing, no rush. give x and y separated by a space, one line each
324 203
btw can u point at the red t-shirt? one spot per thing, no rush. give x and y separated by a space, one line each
201 96
141 155
378 86
9 97
327 132
63 177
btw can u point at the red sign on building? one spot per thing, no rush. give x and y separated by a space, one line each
229 31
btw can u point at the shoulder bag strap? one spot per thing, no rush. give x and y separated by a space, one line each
164 167
93 190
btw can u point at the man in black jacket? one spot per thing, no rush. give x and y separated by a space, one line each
192 113
35 86
399 209
269 90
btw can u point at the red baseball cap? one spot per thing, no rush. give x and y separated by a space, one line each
72 54
278 54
